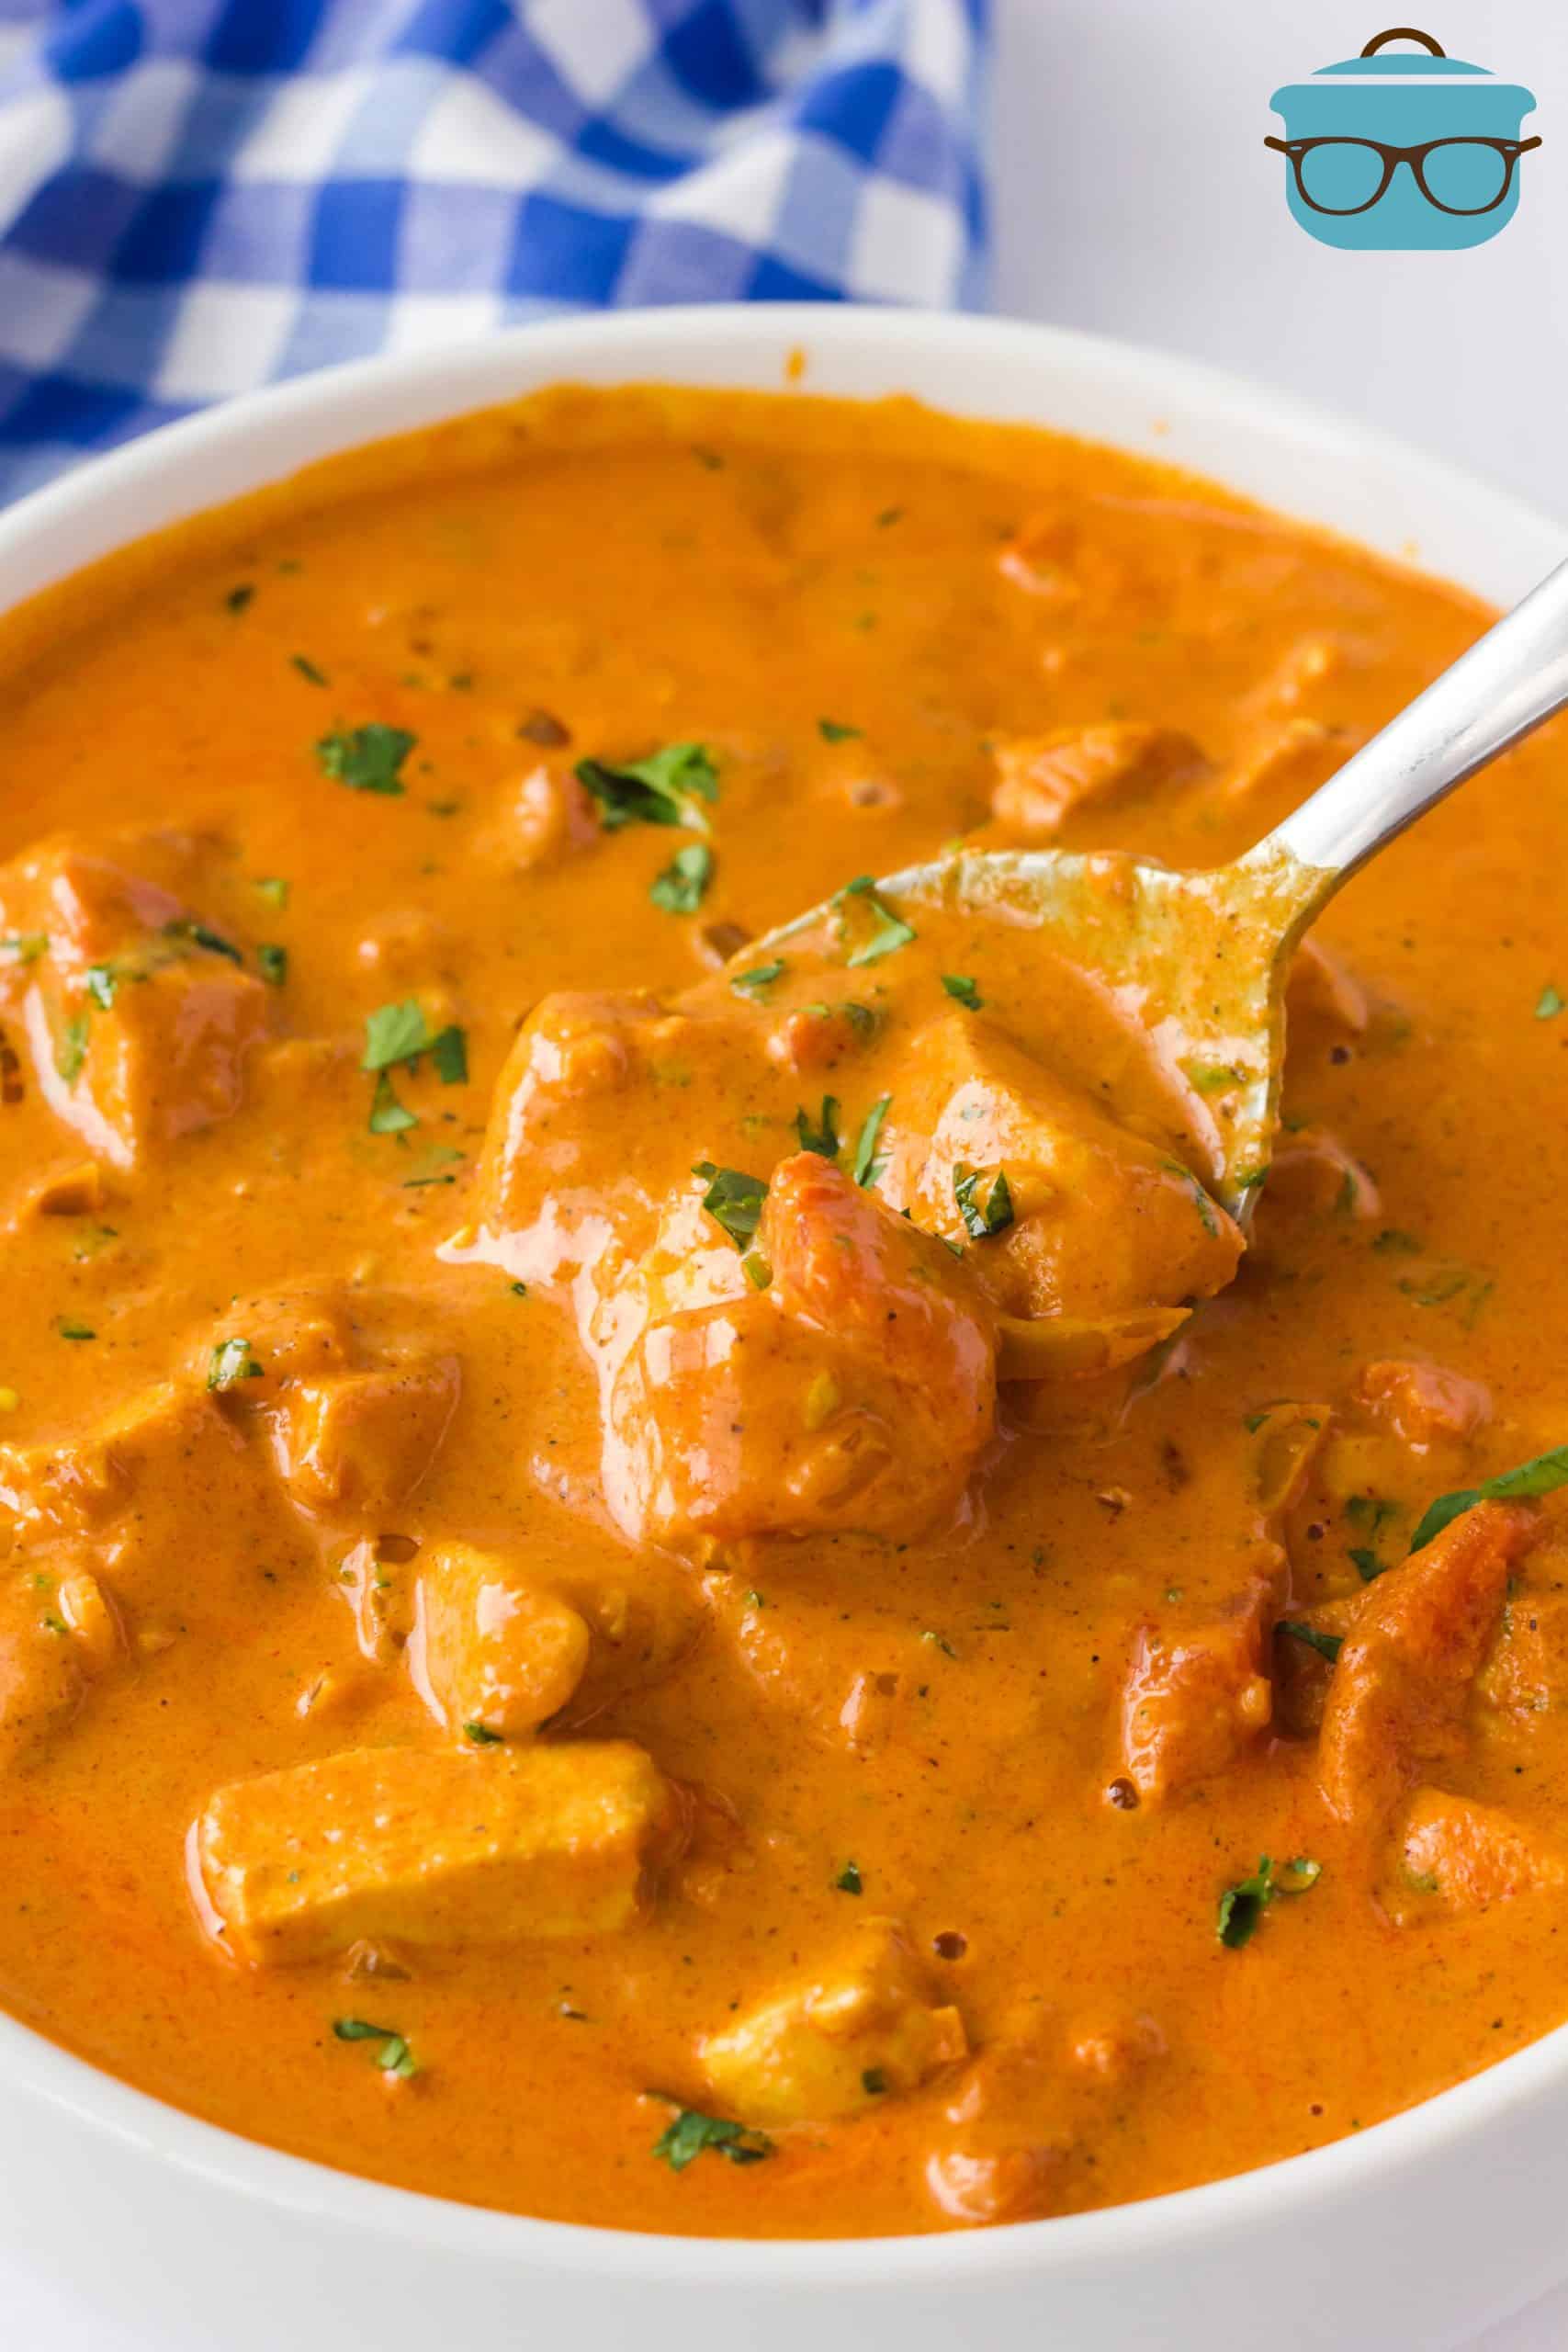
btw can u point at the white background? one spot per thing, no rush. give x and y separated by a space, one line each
1133 195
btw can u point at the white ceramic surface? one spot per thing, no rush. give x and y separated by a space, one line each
1410 2235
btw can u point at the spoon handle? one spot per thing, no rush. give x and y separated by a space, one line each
1511 681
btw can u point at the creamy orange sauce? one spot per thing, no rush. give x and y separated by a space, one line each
981 1726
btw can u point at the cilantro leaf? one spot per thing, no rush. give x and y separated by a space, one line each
1541 1477
449 1052
101 981
366 759
733 1200
691 2132
1242 1906
272 962
849 1880
680 888
1327 1645
823 1139
761 977
1550 1003
832 730
308 671
868 1167
393 2057
982 1215
964 989
665 789
889 931
70 1048
388 1115
230 1362
395 1033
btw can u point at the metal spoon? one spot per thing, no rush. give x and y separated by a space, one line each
1203 958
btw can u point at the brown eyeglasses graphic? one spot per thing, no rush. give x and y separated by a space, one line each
1342 176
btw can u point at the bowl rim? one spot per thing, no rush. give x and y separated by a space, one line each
65 526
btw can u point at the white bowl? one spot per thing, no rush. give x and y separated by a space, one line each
175 2234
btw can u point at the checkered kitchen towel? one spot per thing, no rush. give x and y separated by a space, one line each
201 196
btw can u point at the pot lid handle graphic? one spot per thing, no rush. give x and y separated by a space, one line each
1403 33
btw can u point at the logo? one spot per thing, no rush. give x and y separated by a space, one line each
1390 152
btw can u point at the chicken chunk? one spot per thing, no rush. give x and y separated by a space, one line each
493 1847
139 1014
855 1391
357 1442
836 2039
1396 1703
1104 1222
1527 1673
1196 1698
493 1653
84 1485
1461 1857
1044 779
56 1633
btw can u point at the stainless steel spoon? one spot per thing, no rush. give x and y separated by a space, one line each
1204 957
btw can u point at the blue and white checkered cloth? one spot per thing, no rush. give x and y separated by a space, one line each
200 195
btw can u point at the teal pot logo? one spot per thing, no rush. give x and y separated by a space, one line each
1401 151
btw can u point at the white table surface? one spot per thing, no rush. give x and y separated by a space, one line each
1132 195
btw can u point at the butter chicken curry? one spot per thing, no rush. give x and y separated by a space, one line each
706 1589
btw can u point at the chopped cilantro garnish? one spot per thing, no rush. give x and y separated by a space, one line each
849 1880
756 1269
238 598
25 946
101 981
1550 1003
868 1167
958 985
1395 1242
1201 1200
230 1362
873 2082
272 962
393 2057
1542 1475
1327 1645
1365 1561
449 1052
388 1115
201 934
889 931
761 977
822 1139
692 2133
71 1049
1243 1905
733 1200
366 759
273 889
71 1330
833 730
308 671
680 888
985 1204
482 1736
666 788
395 1033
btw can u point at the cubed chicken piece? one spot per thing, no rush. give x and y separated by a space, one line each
1401 1682
1423 1402
866 2025
357 1442
1459 1856
498 1845
1103 1224
641 1623
1044 779
259 1345
492 1652
139 1014
550 817
57 1632
856 1391
1307 1641
135 1451
165 1058
1198 1697
1527 1673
